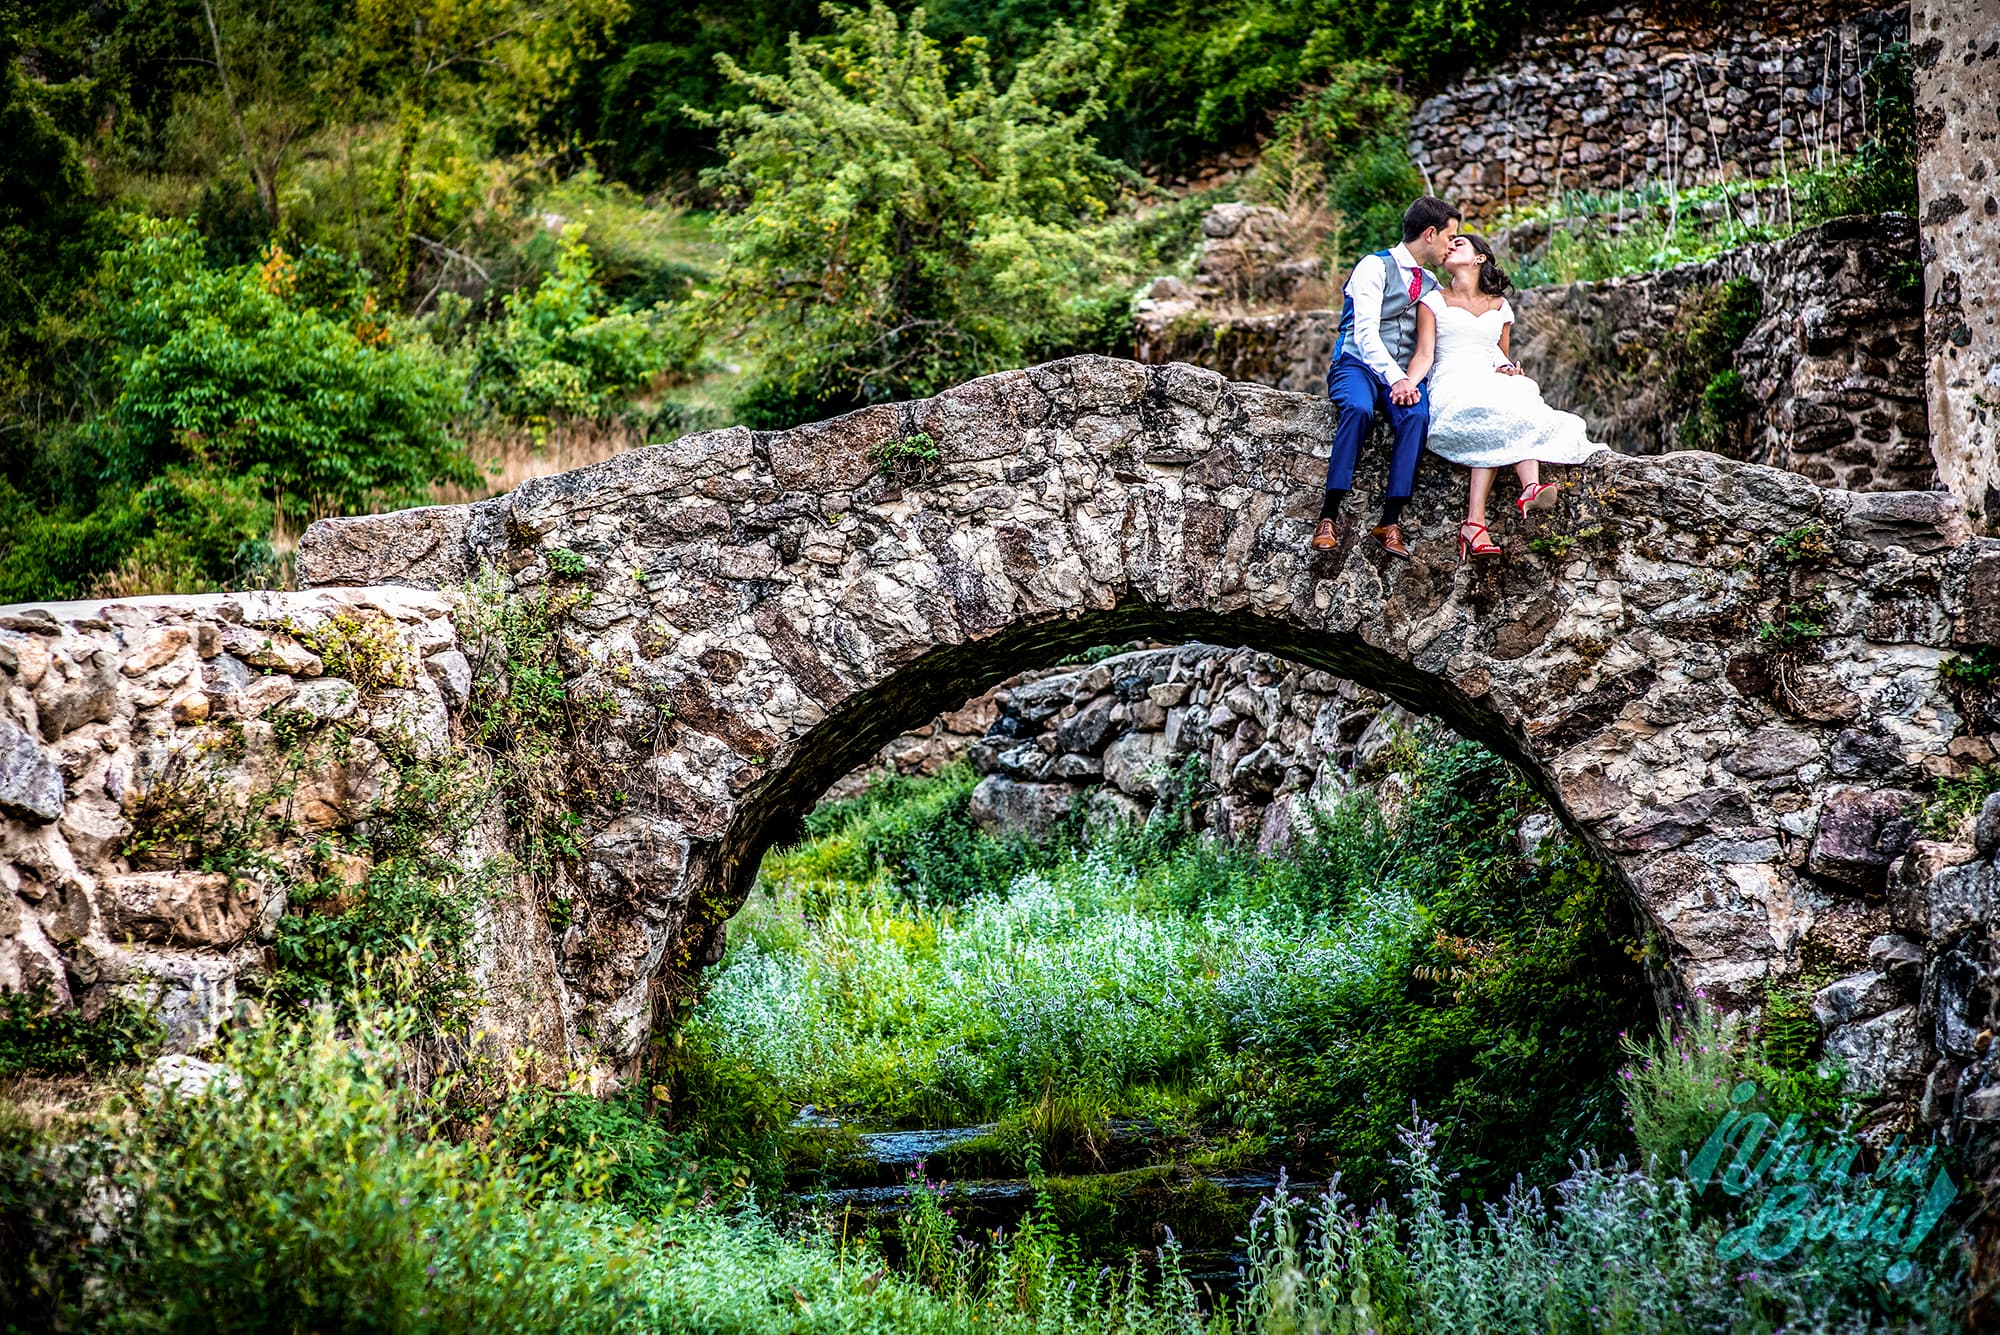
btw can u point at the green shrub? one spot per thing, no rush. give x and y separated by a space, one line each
1677 1082
558 351
238 369
643 1165
412 916
36 1039
317 1188
902 222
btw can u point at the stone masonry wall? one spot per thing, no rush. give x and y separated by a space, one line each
1641 93
169 765
1956 50
1270 737
1835 367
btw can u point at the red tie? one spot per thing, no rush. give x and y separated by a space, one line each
1416 283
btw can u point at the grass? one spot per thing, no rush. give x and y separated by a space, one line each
1594 235
323 1181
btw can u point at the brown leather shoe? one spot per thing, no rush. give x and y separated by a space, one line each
1325 538
1391 538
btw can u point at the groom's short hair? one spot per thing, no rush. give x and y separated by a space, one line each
1426 212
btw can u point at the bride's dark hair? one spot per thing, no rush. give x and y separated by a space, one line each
1491 281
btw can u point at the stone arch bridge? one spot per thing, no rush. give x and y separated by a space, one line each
1730 682
1727 680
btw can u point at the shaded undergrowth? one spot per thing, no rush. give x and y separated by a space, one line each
903 968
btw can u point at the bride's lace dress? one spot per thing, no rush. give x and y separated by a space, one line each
1483 419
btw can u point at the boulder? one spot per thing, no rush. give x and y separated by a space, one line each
188 908
1003 806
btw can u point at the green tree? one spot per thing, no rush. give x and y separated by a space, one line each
557 350
231 391
238 369
497 61
901 223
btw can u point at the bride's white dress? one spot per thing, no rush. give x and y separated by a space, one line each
1483 419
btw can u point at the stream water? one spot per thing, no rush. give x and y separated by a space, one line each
1123 1192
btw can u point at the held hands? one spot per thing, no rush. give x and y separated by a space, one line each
1403 393
1508 368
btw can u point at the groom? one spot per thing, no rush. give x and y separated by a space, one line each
1368 374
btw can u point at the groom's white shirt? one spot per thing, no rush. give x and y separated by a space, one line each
1365 289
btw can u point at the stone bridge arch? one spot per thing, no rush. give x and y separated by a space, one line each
796 598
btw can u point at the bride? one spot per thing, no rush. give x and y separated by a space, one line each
1485 414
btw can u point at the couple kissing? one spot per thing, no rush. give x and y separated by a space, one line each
1433 358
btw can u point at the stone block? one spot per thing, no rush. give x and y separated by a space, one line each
1986 830
1682 822
1898 956
1769 752
424 548
343 789
1861 831
1855 997
323 699
1003 806
1024 760
1881 1053
272 649
1955 898
452 672
31 784
1073 768
1132 763
187 908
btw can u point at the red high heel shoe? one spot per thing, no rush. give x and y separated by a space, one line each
1481 544
1537 496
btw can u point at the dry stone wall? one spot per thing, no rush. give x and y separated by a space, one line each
1646 93
1272 739
169 766
1834 368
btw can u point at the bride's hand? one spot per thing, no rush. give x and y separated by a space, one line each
1508 368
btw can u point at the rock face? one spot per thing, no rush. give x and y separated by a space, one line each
1831 371
1642 93
1956 49
1715 671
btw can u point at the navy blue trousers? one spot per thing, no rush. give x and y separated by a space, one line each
1359 394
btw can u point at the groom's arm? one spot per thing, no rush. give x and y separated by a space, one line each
1365 288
